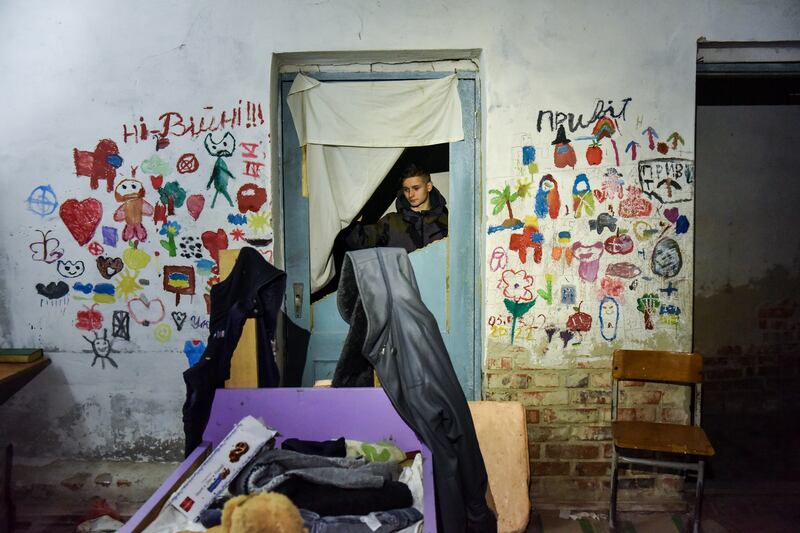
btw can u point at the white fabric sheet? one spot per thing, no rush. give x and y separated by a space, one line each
376 114
355 132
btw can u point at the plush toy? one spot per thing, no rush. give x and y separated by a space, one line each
263 512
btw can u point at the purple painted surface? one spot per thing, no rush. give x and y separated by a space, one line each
313 414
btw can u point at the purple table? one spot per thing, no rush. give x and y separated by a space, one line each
311 414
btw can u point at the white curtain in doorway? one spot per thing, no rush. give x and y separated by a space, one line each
354 132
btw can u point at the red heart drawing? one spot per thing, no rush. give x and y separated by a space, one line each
671 214
195 205
157 181
81 218
214 242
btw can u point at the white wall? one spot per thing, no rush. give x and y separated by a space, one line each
75 72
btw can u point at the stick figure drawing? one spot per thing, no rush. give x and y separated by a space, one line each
220 175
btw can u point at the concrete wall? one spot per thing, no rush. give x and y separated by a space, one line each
81 72
747 314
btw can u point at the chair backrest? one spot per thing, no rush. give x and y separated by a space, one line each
645 365
684 368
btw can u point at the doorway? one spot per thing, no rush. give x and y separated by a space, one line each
446 270
747 251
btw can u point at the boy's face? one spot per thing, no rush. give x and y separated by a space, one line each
416 192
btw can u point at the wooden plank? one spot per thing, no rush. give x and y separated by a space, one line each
244 363
672 438
503 439
14 376
645 365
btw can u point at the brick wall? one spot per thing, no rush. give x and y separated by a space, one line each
760 377
569 428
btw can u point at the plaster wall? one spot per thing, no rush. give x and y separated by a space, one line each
80 72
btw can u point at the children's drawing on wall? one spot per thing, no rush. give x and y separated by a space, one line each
100 164
102 349
98 241
608 261
220 175
502 199
563 153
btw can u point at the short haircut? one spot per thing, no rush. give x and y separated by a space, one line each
413 171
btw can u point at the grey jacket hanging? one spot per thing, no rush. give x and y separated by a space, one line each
393 331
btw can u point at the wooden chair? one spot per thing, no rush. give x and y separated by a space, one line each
685 446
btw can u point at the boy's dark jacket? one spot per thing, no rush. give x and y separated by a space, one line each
254 289
393 331
406 228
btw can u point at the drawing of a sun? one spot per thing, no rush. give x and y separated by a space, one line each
127 284
259 222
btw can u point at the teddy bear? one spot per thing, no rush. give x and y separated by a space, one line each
263 512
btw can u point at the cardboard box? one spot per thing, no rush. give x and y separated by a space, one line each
212 477
312 414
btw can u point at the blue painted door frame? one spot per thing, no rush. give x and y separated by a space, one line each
447 271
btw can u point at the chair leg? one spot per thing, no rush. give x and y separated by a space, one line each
698 504
612 511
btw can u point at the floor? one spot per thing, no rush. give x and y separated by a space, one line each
753 486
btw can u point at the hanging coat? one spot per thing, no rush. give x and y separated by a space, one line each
394 332
254 289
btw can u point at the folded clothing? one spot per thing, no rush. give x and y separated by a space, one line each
270 468
379 522
328 448
326 500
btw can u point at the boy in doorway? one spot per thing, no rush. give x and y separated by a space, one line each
421 217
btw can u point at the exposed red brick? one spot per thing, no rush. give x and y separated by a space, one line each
674 416
637 414
493 363
534 398
532 416
538 433
608 450
625 384
572 451
591 397
534 451
592 468
506 363
637 483
638 397
571 416
549 468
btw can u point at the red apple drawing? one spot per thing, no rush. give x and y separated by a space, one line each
594 154
579 321
146 312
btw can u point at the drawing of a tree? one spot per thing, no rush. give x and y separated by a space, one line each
505 197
